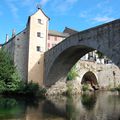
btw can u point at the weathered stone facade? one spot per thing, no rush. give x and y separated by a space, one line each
60 59
27 48
107 76
17 47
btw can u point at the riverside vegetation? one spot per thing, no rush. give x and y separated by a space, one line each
11 83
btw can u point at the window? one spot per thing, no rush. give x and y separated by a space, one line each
53 45
38 48
48 45
24 32
40 21
39 34
55 38
18 39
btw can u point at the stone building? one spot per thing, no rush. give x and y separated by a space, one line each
28 46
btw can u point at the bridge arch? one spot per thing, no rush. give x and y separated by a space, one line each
59 60
89 77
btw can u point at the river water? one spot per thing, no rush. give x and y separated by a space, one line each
90 106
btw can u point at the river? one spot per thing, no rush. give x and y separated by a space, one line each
91 106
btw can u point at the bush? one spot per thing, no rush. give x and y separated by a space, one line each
72 74
10 81
118 88
85 87
69 89
31 89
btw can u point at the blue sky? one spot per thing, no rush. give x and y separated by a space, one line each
76 14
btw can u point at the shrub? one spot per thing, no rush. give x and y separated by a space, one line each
118 88
72 74
85 87
69 89
31 89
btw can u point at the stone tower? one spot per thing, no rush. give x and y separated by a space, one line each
38 31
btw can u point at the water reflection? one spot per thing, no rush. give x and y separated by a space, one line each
88 100
11 108
93 106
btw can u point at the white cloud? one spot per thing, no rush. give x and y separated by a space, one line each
14 10
103 19
43 2
83 14
13 7
102 12
71 1
27 2
103 3
62 6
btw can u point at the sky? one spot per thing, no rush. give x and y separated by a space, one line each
75 14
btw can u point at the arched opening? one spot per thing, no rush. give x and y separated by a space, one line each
60 59
89 78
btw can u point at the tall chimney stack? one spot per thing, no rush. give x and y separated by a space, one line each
6 38
13 32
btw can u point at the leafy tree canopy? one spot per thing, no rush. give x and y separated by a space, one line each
9 78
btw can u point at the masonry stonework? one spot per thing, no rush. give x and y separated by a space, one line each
60 59
36 57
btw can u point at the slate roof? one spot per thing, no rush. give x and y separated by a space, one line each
56 33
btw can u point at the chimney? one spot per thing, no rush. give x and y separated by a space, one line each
6 38
13 32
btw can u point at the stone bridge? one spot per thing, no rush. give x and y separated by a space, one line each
59 60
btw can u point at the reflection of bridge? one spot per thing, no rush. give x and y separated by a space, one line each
59 60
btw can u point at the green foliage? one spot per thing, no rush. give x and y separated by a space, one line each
2 86
9 78
10 108
72 74
69 89
118 88
31 89
7 103
88 101
10 81
100 55
85 87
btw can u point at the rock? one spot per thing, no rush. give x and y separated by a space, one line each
58 88
61 87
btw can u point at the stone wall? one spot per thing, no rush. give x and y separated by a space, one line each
61 58
108 76
17 47
21 53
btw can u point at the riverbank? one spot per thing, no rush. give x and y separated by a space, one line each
65 88
30 90
73 87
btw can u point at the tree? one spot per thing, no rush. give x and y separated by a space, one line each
9 78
